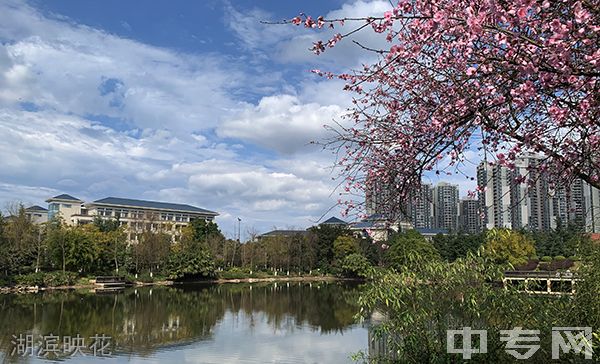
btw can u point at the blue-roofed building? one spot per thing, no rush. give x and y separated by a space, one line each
281 233
37 214
136 216
334 221
378 228
430 233
63 206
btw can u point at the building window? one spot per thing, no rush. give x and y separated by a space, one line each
66 205
104 212
166 217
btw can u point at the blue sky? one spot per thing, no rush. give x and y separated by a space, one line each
183 101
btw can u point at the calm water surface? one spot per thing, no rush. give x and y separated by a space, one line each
231 323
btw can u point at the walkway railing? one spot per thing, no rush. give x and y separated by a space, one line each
552 283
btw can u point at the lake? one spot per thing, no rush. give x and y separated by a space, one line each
200 323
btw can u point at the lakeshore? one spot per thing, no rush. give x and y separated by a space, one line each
92 285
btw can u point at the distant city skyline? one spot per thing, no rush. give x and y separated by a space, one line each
500 203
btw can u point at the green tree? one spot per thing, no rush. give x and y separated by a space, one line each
111 242
82 252
322 237
409 251
370 250
73 248
201 230
20 241
508 246
151 251
106 225
57 242
356 266
343 246
563 240
190 260
4 248
453 246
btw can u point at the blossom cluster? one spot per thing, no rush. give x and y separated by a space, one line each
497 77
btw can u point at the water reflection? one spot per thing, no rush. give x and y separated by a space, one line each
207 323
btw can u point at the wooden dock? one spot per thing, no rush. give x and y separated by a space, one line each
536 282
110 283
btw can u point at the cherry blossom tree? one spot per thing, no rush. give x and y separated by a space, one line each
500 78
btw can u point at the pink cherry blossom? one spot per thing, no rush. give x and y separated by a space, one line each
499 77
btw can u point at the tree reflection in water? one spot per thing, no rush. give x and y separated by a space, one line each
143 320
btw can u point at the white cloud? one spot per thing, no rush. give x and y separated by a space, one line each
262 196
345 55
113 116
281 123
249 28
27 195
291 44
76 69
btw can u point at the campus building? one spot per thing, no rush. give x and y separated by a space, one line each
37 214
136 216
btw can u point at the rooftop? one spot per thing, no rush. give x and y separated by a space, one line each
153 205
64 197
427 231
333 221
368 224
36 208
284 233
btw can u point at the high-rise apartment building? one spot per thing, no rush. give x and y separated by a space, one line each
591 198
377 198
494 198
420 207
469 217
529 202
445 205
534 205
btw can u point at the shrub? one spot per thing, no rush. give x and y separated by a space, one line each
561 264
31 279
145 278
59 278
233 273
6 281
546 258
190 263
559 258
531 265
575 258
